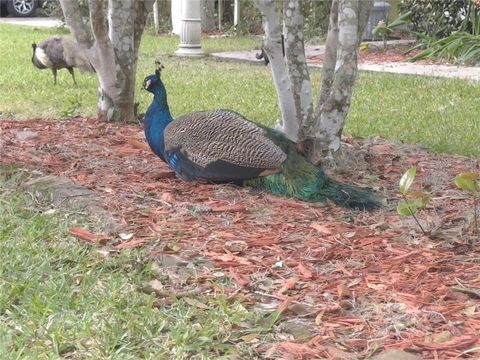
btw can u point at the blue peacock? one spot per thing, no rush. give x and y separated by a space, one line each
223 146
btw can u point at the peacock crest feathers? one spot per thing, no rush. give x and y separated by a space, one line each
208 136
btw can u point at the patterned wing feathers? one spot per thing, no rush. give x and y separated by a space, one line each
223 135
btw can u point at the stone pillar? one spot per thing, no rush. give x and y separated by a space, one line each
191 31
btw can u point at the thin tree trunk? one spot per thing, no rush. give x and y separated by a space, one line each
74 19
273 47
208 15
121 26
296 62
103 59
323 132
155 18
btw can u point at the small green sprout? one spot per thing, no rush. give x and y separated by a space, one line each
412 200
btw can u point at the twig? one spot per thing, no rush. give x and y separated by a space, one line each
472 292
283 298
163 202
469 351
164 293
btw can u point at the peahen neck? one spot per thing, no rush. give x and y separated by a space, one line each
157 118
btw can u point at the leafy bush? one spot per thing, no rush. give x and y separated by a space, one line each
437 18
316 15
461 46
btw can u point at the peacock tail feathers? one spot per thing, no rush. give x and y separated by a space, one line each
301 179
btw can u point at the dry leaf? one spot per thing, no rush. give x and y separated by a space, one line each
343 291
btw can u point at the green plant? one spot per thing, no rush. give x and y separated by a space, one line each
468 182
412 201
437 18
461 46
385 29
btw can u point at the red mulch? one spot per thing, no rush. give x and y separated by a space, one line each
359 280
379 56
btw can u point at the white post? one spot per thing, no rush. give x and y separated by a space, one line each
191 31
155 17
236 13
176 16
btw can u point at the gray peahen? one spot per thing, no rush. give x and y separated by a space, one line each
223 146
60 53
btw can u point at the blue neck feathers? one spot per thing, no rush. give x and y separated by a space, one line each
157 118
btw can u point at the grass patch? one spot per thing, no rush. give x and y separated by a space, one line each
62 299
437 113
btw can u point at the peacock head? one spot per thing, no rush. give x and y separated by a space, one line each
153 83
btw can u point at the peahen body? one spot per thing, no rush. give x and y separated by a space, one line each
223 146
57 53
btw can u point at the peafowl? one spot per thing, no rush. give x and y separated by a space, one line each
60 53
223 146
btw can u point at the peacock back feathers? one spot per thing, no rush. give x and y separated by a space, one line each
222 135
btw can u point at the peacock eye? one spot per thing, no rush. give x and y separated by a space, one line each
146 84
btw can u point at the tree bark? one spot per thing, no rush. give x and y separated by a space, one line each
301 87
273 47
76 22
323 133
208 15
116 29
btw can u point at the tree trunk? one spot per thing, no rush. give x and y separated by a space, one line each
318 133
208 15
74 19
301 87
114 52
322 133
273 45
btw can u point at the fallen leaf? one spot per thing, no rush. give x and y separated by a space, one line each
249 337
343 291
168 197
196 303
304 272
124 236
229 208
87 236
444 336
322 229
288 285
236 245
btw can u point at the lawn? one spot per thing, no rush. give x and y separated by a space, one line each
60 298
220 272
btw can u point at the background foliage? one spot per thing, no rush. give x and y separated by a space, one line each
435 17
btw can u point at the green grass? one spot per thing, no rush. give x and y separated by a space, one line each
441 114
60 298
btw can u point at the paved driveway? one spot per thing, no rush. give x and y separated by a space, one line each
33 21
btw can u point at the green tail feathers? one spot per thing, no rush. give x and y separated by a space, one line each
349 196
303 180
319 190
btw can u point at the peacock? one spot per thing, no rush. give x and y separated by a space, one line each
58 52
223 146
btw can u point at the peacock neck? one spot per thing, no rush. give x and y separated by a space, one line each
157 118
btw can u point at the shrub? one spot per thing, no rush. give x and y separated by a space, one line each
462 45
437 18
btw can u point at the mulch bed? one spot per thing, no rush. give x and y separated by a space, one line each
359 281
376 55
